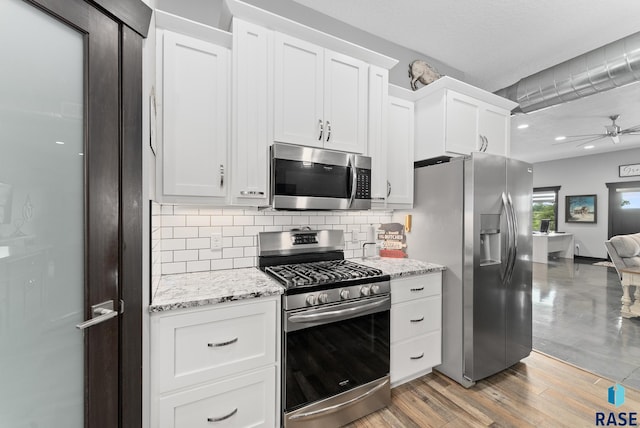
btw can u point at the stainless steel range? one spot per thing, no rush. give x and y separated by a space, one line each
335 338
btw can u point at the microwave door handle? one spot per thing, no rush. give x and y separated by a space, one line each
354 178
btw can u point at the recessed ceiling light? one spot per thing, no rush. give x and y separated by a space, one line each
589 147
60 142
523 126
560 138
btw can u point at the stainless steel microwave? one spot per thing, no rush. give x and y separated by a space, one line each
307 178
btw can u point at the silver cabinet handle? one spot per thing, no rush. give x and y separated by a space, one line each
486 143
221 175
321 129
251 193
418 357
328 130
219 344
222 418
418 320
388 188
100 313
378 198
416 289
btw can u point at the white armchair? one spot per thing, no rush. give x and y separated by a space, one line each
624 251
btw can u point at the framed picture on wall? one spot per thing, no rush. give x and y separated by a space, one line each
581 209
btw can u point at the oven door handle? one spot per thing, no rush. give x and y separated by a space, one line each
339 314
336 407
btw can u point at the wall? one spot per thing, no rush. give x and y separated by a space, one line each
208 12
185 233
585 175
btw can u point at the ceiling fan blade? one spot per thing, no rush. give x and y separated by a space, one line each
629 130
590 141
586 135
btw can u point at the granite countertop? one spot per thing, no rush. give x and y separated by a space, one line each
398 268
189 290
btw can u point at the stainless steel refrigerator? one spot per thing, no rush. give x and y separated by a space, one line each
473 215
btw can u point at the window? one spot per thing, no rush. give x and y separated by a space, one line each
545 206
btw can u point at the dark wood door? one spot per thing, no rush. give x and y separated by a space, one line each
624 208
70 213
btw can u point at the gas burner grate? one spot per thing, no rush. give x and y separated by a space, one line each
322 272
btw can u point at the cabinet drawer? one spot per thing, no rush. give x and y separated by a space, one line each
243 401
198 346
415 317
415 355
416 287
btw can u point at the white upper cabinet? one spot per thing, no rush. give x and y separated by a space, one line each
252 118
399 153
320 96
377 133
453 118
195 119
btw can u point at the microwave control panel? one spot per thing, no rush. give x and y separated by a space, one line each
363 183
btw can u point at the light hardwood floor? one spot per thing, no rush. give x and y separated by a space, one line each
540 391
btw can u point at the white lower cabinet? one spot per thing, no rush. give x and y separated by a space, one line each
416 326
244 401
216 365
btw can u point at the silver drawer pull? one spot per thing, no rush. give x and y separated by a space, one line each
417 289
418 357
251 193
217 345
222 418
421 319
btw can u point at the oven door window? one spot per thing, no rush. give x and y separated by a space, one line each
328 359
298 178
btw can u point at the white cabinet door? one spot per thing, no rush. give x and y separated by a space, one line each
195 118
462 116
495 126
377 135
320 96
400 152
298 92
345 103
252 121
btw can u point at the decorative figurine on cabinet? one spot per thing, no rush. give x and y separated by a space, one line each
420 71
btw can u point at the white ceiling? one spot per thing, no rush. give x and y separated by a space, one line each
498 42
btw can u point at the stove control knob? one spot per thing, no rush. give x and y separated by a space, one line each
364 291
375 289
311 300
323 298
344 294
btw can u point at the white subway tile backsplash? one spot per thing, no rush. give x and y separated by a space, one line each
265 220
185 210
185 232
209 254
182 234
243 241
229 253
282 220
198 266
233 231
243 220
173 244
243 262
221 220
198 220
221 264
169 268
185 255
253 230
173 220
198 243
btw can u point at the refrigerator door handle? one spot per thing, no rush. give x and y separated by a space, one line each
514 233
507 211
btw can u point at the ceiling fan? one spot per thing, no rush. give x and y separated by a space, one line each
613 131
